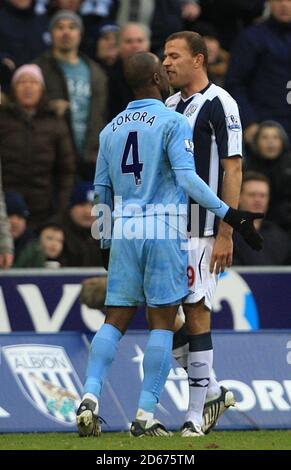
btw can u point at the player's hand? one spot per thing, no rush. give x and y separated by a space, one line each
221 254
105 253
243 222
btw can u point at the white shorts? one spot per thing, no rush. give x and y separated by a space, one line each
201 281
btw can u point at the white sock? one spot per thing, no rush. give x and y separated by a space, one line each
199 367
213 390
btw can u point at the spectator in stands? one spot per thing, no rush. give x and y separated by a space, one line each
133 37
255 195
270 154
140 11
80 248
95 13
104 9
6 242
41 7
37 155
229 17
76 86
105 49
171 16
23 36
55 5
98 9
260 69
18 213
218 58
46 252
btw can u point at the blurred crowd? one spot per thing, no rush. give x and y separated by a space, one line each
62 79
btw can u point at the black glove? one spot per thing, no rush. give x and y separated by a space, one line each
242 222
105 253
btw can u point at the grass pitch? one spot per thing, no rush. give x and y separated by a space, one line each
231 440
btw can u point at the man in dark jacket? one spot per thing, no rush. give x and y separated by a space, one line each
76 86
255 195
23 36
260 69
133 37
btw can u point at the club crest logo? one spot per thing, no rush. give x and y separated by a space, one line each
191 110
47 379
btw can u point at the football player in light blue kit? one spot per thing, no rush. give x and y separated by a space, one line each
146 158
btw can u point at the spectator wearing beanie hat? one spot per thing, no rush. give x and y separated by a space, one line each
28 87
29 69
76 87
80 248
66 15
105 46
38 158
18 214
15 204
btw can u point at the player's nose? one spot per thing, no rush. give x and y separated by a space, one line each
166 61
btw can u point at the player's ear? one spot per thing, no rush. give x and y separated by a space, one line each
198 60
156 78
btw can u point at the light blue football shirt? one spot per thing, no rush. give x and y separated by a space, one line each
139 151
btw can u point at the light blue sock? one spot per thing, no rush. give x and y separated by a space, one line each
156 366
102 353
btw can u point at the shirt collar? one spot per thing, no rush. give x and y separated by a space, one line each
144 102
201 92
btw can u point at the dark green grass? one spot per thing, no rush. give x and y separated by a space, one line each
233 440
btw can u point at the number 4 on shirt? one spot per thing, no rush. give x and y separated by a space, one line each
136 166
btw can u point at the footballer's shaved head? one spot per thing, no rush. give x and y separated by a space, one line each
146 76
140 68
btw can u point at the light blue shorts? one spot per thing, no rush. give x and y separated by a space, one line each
152 272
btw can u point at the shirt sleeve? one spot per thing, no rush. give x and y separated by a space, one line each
103 199
226 123
198 190
179 145
102 176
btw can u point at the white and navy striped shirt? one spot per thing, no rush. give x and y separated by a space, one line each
217 134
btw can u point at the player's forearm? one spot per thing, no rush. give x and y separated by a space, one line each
231 187
198 190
